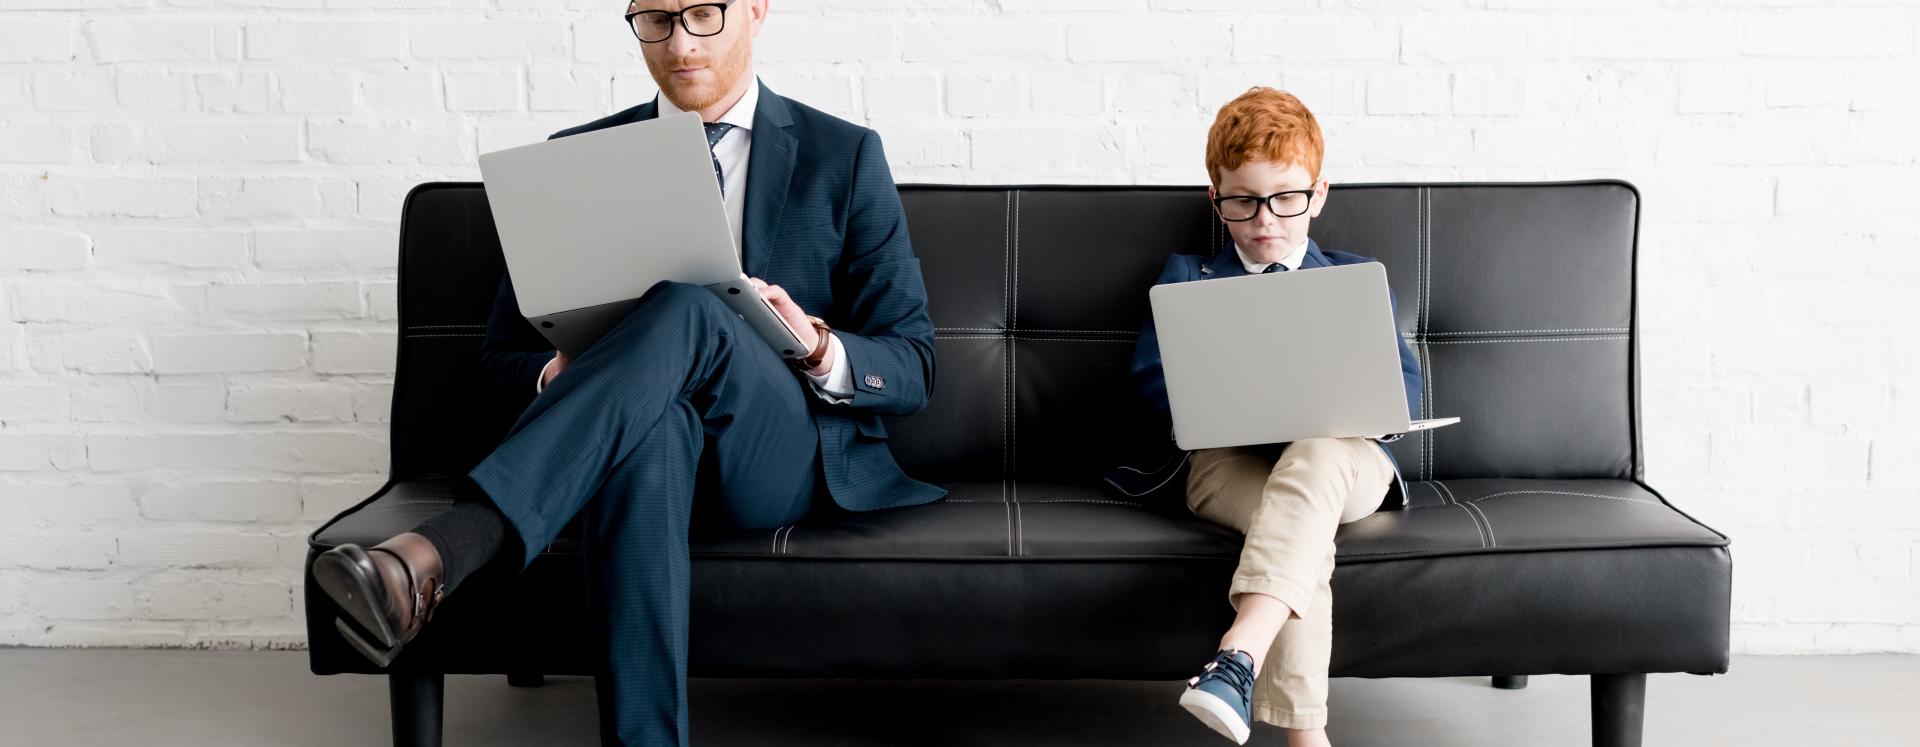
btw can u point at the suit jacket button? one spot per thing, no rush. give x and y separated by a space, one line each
875 382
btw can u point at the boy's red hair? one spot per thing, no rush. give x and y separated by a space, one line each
1266 125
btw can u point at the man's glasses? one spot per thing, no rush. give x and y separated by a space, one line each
1237 208
652 26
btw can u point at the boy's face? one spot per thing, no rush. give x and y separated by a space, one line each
1266 238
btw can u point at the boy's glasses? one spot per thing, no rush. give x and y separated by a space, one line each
705 19
1237 208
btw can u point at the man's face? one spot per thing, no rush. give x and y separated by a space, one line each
696 72
1266 238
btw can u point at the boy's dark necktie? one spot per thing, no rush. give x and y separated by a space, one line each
1275 267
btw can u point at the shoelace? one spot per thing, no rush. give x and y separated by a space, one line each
1226 665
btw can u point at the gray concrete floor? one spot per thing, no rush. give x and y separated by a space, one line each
160 697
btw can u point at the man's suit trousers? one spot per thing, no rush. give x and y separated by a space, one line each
681 400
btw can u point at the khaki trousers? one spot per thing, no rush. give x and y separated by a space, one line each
1289 510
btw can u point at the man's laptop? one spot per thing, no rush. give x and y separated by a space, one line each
1279 357
589 222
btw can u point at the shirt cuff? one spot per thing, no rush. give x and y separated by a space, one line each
540 379
836 385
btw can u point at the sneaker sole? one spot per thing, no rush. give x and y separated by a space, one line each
1216 714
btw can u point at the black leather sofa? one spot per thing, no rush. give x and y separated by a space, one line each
1531 544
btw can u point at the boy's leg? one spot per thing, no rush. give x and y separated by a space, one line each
1288 509
1292 689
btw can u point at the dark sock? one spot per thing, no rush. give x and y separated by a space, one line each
469 535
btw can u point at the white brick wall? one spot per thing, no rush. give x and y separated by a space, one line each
198 205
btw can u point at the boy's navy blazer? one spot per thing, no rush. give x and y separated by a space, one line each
822 220
1161 471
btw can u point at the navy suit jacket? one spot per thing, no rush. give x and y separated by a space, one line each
1163 466
823 221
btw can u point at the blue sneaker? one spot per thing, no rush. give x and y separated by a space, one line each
1222 696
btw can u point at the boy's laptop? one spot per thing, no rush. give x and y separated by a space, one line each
589 222
1273 358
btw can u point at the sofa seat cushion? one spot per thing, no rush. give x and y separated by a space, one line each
1494 576
981 520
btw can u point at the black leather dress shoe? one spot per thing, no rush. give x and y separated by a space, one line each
387 592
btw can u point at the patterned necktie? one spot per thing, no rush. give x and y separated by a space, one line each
715 131
1275 267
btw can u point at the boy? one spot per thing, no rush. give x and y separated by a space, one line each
1263 158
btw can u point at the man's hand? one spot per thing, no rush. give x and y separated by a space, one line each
796 319
553 369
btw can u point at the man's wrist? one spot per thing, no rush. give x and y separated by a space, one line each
816 358
827 359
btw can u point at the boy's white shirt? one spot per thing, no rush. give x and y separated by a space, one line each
1291 261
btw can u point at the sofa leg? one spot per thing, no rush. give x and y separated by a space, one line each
1510 681
1619 705
417 698
526 679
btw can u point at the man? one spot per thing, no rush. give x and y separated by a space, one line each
681 404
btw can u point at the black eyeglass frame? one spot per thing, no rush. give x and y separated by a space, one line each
680 15
1268 201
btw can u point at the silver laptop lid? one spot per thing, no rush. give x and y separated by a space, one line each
1280 357
601 216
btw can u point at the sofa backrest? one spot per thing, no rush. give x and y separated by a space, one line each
1519 299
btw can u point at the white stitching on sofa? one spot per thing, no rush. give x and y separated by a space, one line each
1471 509
1527 339
1491 541
446 334
1423 290
1565 492
1019 521
1433 439
1426 402
1007 383
1013 392
1528 331
1448 499
1015 322
1433 435
448 326
1555 545
1551 492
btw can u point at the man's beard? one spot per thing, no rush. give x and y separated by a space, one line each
726 74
